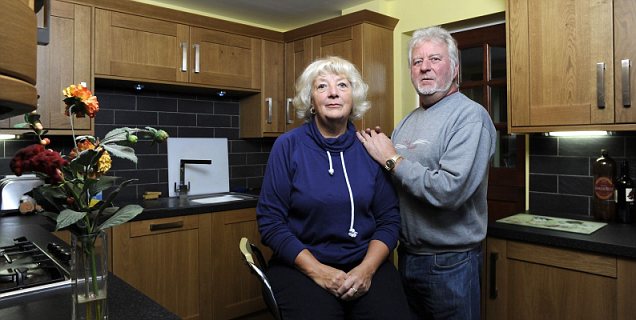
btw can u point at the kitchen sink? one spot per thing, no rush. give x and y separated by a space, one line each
219 198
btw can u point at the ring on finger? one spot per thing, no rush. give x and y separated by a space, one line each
354 290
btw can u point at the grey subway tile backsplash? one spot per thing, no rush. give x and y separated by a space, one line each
181 115
561 174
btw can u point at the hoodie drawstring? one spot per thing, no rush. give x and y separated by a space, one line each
330 164
352 232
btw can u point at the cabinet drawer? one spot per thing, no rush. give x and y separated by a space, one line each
573 260
155 226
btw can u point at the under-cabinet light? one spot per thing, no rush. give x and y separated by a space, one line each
577 133
7 136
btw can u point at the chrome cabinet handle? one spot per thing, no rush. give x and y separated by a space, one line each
625 70
288 118
184 56
600 85
269 110
197 52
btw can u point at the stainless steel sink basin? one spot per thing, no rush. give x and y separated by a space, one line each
219 198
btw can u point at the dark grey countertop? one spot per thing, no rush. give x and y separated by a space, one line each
614 239
124 302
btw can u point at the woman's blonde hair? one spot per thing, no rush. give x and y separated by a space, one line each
330 65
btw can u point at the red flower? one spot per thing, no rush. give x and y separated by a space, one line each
35 158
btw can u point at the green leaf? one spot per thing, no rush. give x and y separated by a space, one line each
21 125
84 158
103 183
68 217
121 151
119 134
114 194
122 215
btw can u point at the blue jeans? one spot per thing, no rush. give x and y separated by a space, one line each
443 285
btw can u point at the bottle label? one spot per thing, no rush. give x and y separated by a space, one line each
604 188
629 195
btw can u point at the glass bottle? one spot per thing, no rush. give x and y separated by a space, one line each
625 196
603 204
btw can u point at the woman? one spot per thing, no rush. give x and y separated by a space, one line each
327 210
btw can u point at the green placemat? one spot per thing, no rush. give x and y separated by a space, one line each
553 223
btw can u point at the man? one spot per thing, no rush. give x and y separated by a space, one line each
439 159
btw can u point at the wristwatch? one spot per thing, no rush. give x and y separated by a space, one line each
389 165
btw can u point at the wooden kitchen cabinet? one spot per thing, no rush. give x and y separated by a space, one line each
228 289
528 281
135 47
365 38
564 62
265 114
160 257
64 61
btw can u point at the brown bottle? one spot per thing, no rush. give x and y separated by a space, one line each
603 203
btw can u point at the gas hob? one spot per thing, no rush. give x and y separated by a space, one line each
31 260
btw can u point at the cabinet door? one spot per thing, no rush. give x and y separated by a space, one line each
225 59
560 62
625 55
369 48
64 61
160 258
298 55
228 289
263 114
136 47
537 282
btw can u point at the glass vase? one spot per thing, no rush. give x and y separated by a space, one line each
89 275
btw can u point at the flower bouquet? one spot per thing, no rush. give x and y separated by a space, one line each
72 185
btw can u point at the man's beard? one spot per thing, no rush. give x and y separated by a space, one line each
431 91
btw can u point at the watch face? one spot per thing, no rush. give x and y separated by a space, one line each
390 164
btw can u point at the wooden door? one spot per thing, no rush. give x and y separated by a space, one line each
137 47
483 79
228 289
560 52
263 114
225 59
624 58
160 258
298 55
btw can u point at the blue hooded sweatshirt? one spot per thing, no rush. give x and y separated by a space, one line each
326 195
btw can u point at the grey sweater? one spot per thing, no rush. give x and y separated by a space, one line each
443 179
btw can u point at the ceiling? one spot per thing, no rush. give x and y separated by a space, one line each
279 15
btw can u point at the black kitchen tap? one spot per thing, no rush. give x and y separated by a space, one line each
183 188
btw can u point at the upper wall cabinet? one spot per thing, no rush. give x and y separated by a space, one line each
261 114
365 38
565 63
140 48
64 61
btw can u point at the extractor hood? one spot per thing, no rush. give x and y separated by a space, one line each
18 45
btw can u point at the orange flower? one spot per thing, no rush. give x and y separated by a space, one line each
82 100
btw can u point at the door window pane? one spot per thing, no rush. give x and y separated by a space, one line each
472 67
506 151
498 104
497 62
476 94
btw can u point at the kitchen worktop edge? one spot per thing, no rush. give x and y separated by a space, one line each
614 239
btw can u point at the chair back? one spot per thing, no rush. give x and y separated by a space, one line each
256 262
